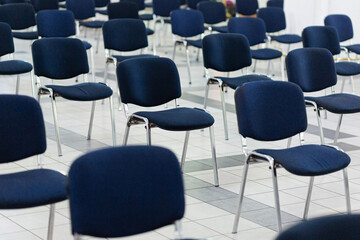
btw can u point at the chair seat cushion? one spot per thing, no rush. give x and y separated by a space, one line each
347 68
179 119
265 54
120 58
83 91
195 43
287 38
14 67
235 82
354 48
101 11
220 29
146 17
26 35
340 103
92 24
87 45
309 160
31 188
149 31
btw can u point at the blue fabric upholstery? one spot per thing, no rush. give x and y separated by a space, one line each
274 18
195 43
93 24
6 39
50 54
101 3
18 15
148 4
142 81
187 23
192 4
321 37
163 8
149 31
122 9
313 69
3 2
32 188
275 3
220 29
287 38
247 7
23 114
101 11
252 28
213 12
235 82
125 34
178 119
26 35
263 108
87 45
354 48
347 68
45 4
338 103
133 178
14 67
56 23
120 58
82 9
83 91
226 52
146 17
139 3
309 160
265 54
343 25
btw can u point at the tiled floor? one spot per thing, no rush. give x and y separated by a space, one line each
209 210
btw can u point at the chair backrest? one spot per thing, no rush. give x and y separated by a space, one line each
252 28
22 128
192 4
142 81
122 191
163 8
274 18
122 10
343 25
247 7
275 3
55 23
344 227
82 9
45 4
213 12
139 3
187 23
313 69
226 52
270 110
59 58
18 15
6 39
321 37
101 3
12 1
124 34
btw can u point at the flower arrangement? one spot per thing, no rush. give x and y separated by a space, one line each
230 8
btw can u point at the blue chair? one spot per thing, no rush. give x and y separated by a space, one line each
100 4
271 111
19 16
343 227
13 1
23 135
275 3
275 22
247 7
45 4
12 67
141 6
313 70
227 52
255 31
144 191
142 82
187 24
327 37
61 23
192 4
214 13
64 58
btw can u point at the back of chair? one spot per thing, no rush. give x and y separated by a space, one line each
59 58
252 28
122 10
12 1
313 69
163 8
275 3
343 25
55 23
101 3
213 12
124 34
6 39
45 4
247 7
22 128
18 15
82 9
123 191
148 81
187 23
226 52
270 110
321 37
193 3
274 18
139 3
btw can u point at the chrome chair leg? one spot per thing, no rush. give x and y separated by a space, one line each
57 132
98 40
276 196
113 129
178 229
148 134
223 106
174 51
206 93
197 54
91 119
33 85
188 62
254 70
241 196
347 192
106 71
322 140
51 222
186 144
289 142
213 156
17 84
308 198
126 134
282 59
92 64
337 133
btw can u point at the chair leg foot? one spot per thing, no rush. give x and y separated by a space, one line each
186 143
51 222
